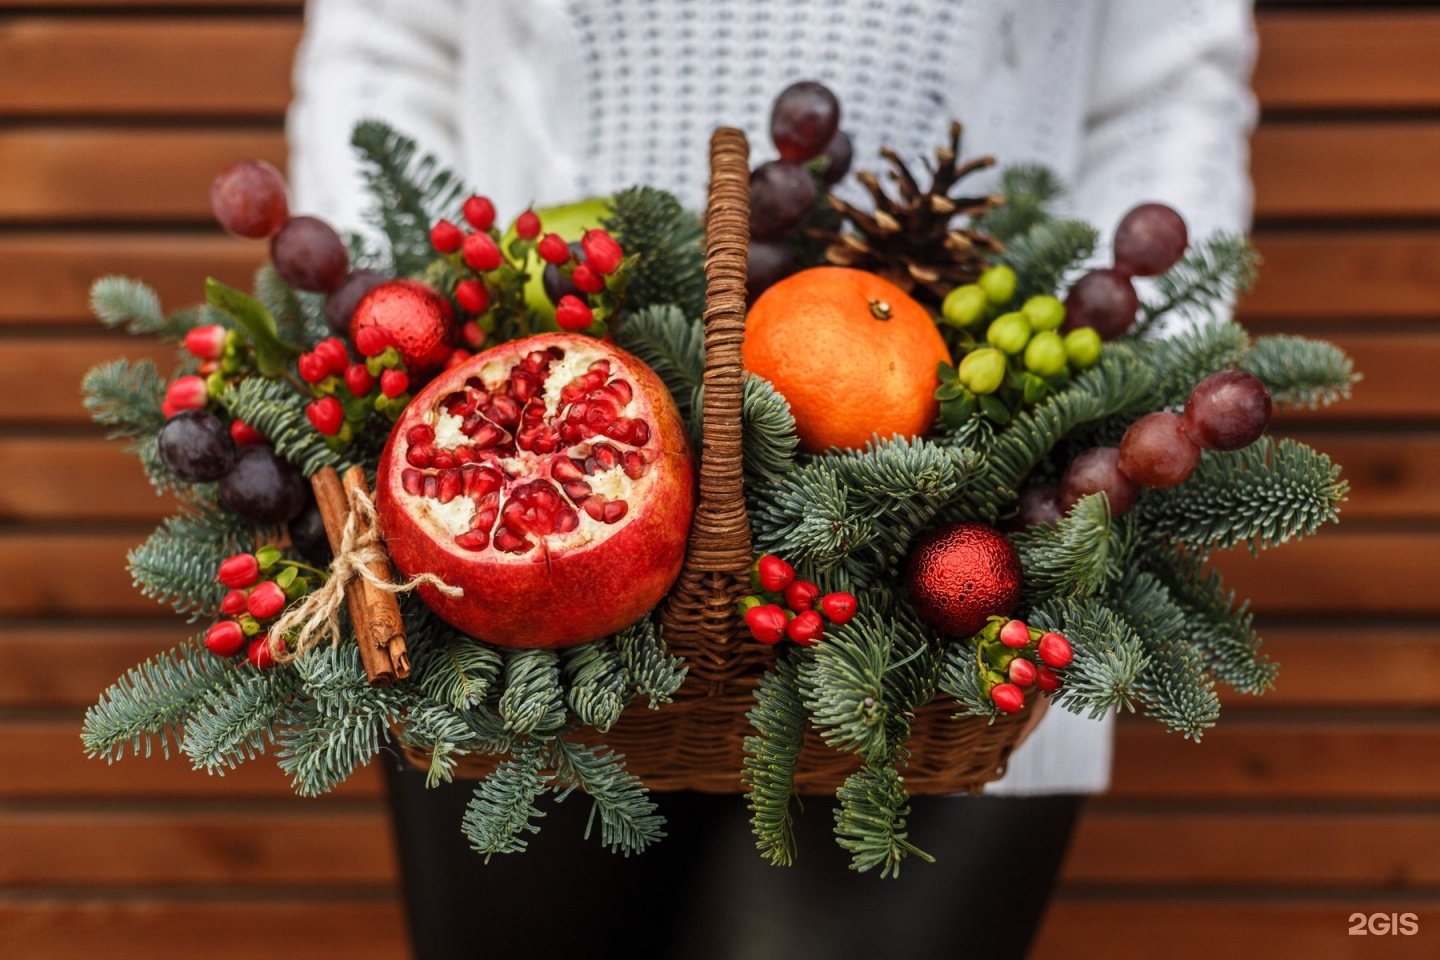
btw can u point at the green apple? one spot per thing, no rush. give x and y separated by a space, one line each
570 221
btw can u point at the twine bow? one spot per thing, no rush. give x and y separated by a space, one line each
316 619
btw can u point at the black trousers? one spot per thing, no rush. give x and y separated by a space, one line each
703 893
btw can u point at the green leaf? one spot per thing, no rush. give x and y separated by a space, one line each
271 352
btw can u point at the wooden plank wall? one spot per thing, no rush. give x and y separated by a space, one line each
1313 803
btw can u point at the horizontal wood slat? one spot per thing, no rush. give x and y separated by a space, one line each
1252 760
1343 276
46 278
1391 476
1337 169
1131 928
1295 44
75 478
236 928
216 66
42 382
44 760
70 573
1399 376
66 665
336 848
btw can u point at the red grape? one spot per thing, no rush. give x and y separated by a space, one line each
1097 470
838 154
309 255
1039 504
770 261
781 195
248 198
1103 299
1227 410
1155 451
1149 240
340 305
806 115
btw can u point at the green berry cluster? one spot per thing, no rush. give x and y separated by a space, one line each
1011 357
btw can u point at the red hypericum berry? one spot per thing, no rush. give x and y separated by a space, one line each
359 380
259 654
459 356
1047 679
473 296
1022 672
371 341
394 382
482 253
1015 634
801 595
587 279
1055 650
838 607
243 434
265 601
446 237
806 628
527 225
479 213
1007 697
207 342
233 604
601 250
225 638
773 574
186 393
571 313
207 367
326 414
332 350
553 249
473 334
313 367
766 623
239 570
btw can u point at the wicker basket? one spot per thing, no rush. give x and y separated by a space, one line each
696 742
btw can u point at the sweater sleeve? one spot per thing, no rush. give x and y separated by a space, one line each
391 60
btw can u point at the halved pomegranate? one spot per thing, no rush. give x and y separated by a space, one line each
550 479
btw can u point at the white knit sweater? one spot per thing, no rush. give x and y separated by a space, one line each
544 101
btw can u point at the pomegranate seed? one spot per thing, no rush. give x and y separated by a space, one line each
473 540
1022 672
507 542
594 508
1055 650
504 411
622 390
243 434
473 297
265 601
1015 634
449 485
572 314
635 465
430 487
1007 697
801 595
527 225
234 603
640 435
239 570
479 212
487 435
587 279
313 367
806 628
393 383
481 252
186 393
601 251
838 607
444 460
326 415
564 469
1047 679
225 638
412 481
773 574
766 623
622 430
446 237
371 341
420 433
553 249
566 521
207 342
577 491
615 511
476 479
333 351
359 380
606 456
420 455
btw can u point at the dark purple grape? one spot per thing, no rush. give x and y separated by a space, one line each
248 198
307 532
769 262
262 487
1227 410
1039 504
1149 240
1155 452
557 284
196 446
340 305
838 154
781 195
1104 299
1097 470
309 255
805 117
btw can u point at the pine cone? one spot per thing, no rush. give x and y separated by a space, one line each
909 240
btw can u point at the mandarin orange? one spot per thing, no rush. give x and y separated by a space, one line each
853 353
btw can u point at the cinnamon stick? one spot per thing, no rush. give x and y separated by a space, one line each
374 613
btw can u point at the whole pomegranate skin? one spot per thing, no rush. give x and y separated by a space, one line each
548 478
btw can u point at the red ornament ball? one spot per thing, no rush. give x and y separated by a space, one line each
420 323
960 574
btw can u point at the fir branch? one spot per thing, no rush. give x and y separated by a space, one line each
1075 557
652 671
150 702
1175 687
533 699
870 820
1264 494
503 808
177 564
278 412
771 756
458 672
597 687
299 317
1043 255
671 268
628 821
770 440
674 347
843 686
122 302
1029 191
125 397
409 191
1109 656
448 734
960 677
1300 372
232 723
1181 361
1212 274
1223 632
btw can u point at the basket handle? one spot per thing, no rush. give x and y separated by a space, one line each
720 536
